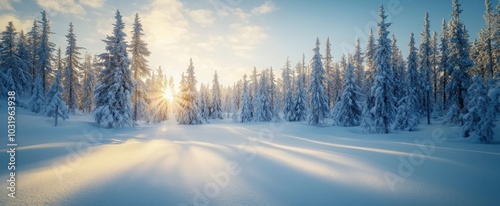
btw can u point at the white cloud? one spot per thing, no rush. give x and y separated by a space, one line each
246 37
63 6
202 16
19 24
92 3
6 5
265 8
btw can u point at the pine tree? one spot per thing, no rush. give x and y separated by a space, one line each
299 109
425 69
460 63
46 47
444 63
33 48
22 73
371 49
72 72
319 103
273 97
56 106
263 110
382 91
112 95
486 42
349 108
246 112
397 65
330 78
357 63
479 121
407 112
190 99
216 98
140 70
288 95
37 101
203 103
14 76
89 83
180 103
435 69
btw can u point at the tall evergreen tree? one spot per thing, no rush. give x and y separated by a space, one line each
56 106
444 63
425 69
479 121
299 109
72 72
349 107
382 91
263 110
460 63
288 95
357 63
23 72
112 95
37 100
328 64
140 70
203 103
12 67
216 98
371 49
33 48
246 112
319 103
44 56
190 99
89 83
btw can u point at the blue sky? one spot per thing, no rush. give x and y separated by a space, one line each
233 36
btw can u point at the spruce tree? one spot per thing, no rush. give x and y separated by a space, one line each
382 92
349 107
479 121
190 99
89 83
216 98
12 67
246 112
72 72
37 100
444 63
425 69
263 110
319 104
56 106
44 52
112 95
140 70
288 95
299 109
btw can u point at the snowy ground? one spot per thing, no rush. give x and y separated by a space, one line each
226 163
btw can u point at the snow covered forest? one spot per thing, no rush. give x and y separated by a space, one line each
447 76
378 125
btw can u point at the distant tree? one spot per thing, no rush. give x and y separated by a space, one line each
89 83
203 103
44 52
216 98
299 109
425 68
37 100
288 96
263 112
246 112
349 107
190 99
56 106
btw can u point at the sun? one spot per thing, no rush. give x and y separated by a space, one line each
168 95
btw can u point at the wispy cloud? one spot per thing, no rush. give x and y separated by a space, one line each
62 6
245 38
202 16
6 5
19 24
92 3
267 7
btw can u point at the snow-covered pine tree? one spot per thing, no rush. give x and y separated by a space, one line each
357 63
319 104
33 47
44 56
89 83
486 42
369 78
112 95
203 103
444 63
274 100
299 109
140 70
407 112
425 69
479 121
216 98
72 72
397 65
263 112
56 106
246 112
14 75
288 95
180 103
349 107
24 68
382 91
37 101
460 63
435 71
330 77
190 98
